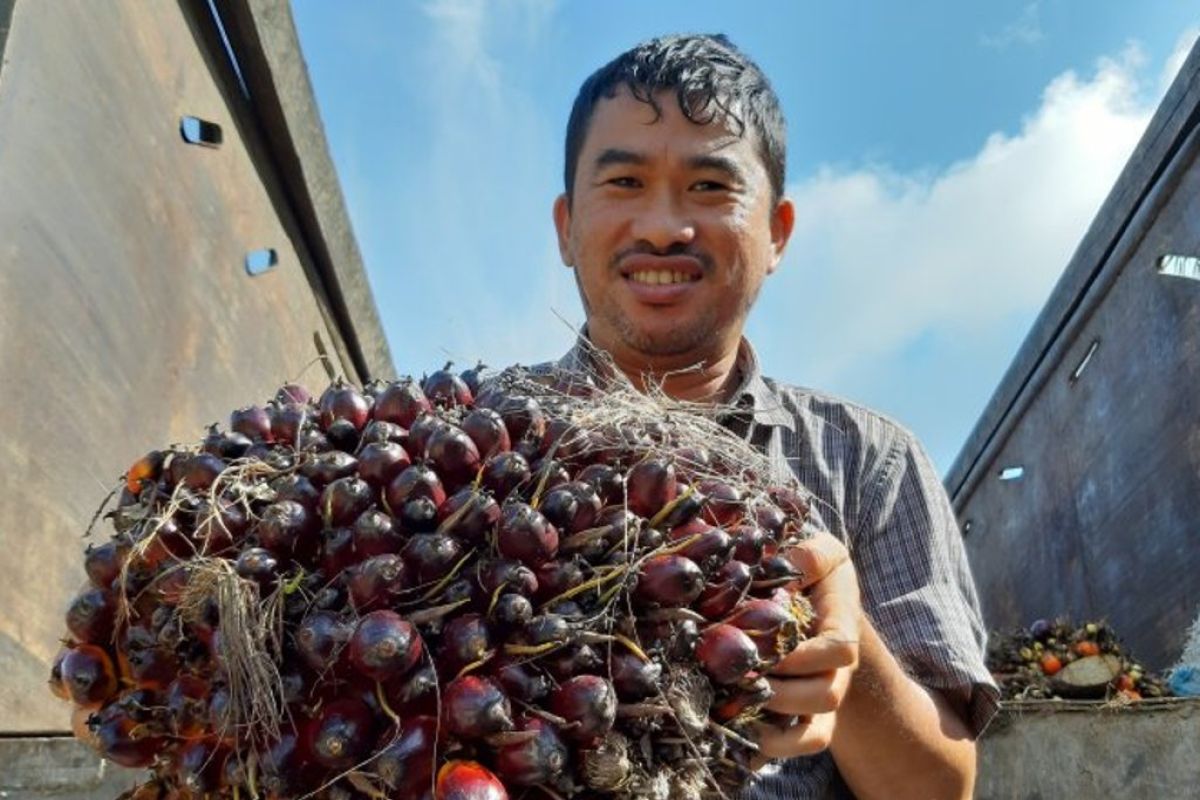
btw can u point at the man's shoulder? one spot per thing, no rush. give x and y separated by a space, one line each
815 406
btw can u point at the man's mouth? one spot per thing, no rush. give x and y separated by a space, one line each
662 277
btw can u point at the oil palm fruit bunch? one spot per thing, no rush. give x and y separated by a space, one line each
531 587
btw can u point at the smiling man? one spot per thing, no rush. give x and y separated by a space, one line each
672 219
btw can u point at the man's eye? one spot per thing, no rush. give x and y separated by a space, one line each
709 186
624 181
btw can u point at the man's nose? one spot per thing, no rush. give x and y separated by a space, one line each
662 223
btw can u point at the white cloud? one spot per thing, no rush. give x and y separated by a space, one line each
1183 46
882 264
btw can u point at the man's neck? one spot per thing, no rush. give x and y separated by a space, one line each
710 380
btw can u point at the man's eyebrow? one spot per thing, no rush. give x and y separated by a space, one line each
615 156
720 164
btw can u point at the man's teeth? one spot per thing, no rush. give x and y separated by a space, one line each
661 277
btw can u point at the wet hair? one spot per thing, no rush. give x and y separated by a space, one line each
712 80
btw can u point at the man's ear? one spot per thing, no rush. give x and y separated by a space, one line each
783 219
562 224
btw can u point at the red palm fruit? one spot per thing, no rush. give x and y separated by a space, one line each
401 403
709 548
453 455
297 488
487 431
749 543
505 473
328 467
150 664
103 562
421 432
252 422
312 440
575 659
539 758
200 766
606 480
343 401
406 760
726 654
447 390
474 376
519 679
259 565
547 473
219 528
431 556
384 645
772 627
293 393
415 481
523 417
633 678
727 588
467 780
145 471
380 462
380 432
288 420
320 639
507 574
512 610
740 700
337 550
342 434
650 485
469 514
284 525
187 705
419 515
89 675
524 534
692 461
227 445
466 639
342 733
770 518
378 581
198 471
287 768
567 442
123 740
415 692
91 616
344 499
555 577
725 505
545 628
670 581
776 570
576 505
589 701
57 687
790 501
375 534
475 707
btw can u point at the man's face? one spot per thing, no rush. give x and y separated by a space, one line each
671 231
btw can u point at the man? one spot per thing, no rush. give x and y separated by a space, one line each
672 217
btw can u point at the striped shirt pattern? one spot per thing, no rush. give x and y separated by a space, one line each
874 487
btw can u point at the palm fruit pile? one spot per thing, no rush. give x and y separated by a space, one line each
1057 659
435 589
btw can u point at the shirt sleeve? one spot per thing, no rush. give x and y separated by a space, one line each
916 582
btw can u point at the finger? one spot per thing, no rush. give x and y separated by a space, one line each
823 653
803 739
816 557
813 695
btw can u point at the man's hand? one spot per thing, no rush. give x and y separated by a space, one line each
812 681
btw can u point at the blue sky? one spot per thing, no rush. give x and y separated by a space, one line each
945 159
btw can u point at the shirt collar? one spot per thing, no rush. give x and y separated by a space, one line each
753 393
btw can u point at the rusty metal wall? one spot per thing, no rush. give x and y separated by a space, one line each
1104 518
127 317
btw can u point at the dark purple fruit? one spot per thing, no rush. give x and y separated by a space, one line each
475 707
633 678
487 431
415 481
288 420
505 473
571 507
343 501
453 455
92 615
375 534
343 401
342 734
590 702
606 480
431 555
651 485
380 462
447 390
253 422
378 581
320 638
524 534
103 562
466 640
726 654
384 645
725 506
288 527
401 403
540 758
727 588
405 764
670 581
324 468
89 675
469 514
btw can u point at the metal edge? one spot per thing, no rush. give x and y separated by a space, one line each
6 12
263 36
1163 136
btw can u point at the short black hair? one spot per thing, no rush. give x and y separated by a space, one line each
712 80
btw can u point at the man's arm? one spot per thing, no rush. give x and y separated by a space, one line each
889 736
